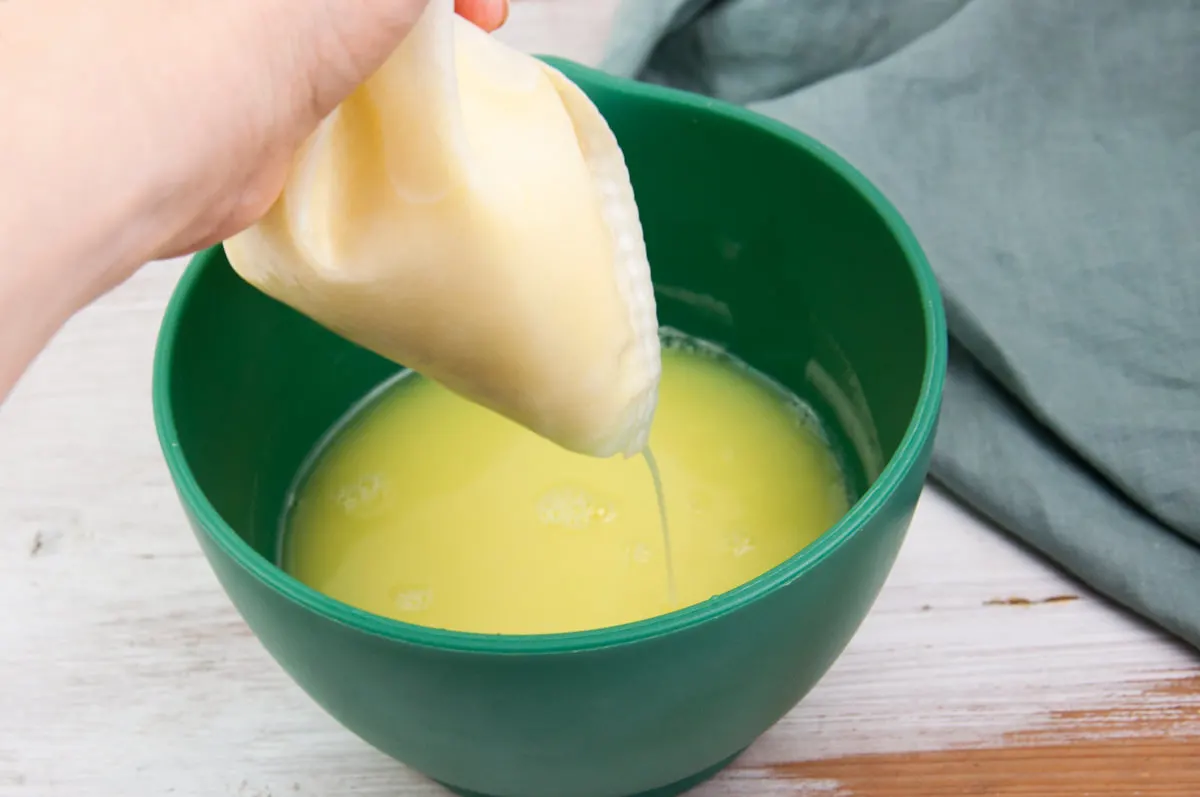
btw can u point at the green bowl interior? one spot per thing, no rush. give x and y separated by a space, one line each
760 239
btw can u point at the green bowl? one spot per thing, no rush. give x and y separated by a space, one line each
762 240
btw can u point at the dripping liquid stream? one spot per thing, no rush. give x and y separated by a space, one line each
652 465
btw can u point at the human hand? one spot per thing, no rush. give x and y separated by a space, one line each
306 66
163 127
141 129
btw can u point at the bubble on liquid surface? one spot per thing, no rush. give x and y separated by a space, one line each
573 508
408 598
361 497
740 544
640 554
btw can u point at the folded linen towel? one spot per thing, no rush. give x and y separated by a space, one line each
1047 155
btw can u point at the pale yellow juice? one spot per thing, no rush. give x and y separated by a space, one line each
427 508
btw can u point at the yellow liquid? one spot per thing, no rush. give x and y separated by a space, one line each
427 508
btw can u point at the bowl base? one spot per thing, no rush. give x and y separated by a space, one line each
670 790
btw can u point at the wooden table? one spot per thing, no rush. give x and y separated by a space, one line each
124 671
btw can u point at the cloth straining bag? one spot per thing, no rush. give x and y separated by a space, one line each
467 212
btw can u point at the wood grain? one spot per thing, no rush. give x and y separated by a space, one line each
1111 768
124 671
1148 746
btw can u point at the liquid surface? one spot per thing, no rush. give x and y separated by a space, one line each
427 508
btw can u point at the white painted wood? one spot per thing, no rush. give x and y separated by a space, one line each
125 672
575 29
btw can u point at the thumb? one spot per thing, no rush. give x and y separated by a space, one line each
341 44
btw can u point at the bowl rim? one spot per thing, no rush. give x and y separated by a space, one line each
920 429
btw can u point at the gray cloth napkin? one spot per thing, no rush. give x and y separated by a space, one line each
1047 155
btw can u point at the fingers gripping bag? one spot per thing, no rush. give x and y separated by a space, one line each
467 212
